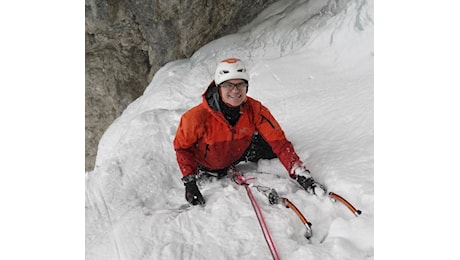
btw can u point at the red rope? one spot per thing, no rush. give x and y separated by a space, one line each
263 225
239 179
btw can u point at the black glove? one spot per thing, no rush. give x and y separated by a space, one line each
310 185
192 193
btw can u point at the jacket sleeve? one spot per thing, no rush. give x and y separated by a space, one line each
186 137
271 131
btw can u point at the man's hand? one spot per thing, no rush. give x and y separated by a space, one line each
192 193
310 185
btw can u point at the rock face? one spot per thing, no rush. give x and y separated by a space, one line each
127 41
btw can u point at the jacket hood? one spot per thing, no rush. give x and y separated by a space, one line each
212 97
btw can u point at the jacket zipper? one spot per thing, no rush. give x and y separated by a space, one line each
232 129
266 119
206 151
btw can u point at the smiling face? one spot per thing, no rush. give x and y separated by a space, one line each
233 92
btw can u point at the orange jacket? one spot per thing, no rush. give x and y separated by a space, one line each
204 137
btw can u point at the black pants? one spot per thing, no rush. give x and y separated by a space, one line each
258 149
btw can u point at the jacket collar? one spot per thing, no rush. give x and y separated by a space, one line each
212 98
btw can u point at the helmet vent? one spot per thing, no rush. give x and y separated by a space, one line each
231 68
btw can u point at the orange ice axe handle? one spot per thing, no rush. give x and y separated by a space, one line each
304 220
335 196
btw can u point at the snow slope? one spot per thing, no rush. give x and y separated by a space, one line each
311 63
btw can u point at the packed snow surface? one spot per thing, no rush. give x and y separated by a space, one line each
311 63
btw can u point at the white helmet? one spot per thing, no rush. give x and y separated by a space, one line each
231 68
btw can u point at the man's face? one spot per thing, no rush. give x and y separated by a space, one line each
233 92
